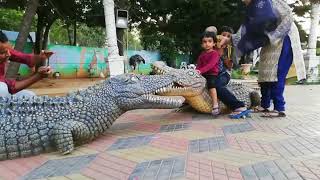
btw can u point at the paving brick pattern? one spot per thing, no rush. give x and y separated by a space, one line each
238 128
131 142
278 169
60 167
174 127
208 144
164 144
160 169
202 168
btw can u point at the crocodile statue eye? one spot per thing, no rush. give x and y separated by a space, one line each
134 79
191 73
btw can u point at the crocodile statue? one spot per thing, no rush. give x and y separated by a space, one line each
29 126
192 86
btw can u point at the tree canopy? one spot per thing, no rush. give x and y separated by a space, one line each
173 27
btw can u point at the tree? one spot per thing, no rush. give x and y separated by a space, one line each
176 25
10 19
32 6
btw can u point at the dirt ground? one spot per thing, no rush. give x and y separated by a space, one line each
60 87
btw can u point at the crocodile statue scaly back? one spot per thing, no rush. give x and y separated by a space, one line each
192 86
39 124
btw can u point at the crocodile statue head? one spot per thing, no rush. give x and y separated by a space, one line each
192 86
29 126
188 82
139 92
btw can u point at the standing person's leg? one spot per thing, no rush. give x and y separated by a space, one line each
284 65
265 89
4 92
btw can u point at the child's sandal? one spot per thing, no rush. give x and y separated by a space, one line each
215 111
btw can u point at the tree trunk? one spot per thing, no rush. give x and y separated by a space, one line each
75 32
312 41
120 34
23 34
39 34
46 35
69 34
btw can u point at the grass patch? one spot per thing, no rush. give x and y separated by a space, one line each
236 74
293 81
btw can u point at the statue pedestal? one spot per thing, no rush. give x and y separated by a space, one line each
116 65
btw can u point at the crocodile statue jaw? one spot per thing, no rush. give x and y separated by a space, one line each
192 86
35 125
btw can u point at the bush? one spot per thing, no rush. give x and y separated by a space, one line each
236 74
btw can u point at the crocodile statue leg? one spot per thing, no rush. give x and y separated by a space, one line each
65 135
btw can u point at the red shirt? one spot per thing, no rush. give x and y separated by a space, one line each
208 63
19 57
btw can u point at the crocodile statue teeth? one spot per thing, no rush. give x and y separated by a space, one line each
39 124
192 86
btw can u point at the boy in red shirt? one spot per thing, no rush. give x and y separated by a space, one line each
208 66
11 86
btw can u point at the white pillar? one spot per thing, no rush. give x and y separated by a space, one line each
313 34
116 62
313 60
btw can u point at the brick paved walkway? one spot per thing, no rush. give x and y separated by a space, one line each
162 144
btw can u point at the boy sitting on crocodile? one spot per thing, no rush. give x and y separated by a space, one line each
226 96
192 86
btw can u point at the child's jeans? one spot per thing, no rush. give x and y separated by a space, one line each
225 95
5 93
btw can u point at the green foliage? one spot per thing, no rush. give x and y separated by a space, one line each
91 36
10 19
86 36
302 33
134 42
174 27
300 9
58 33
236 74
